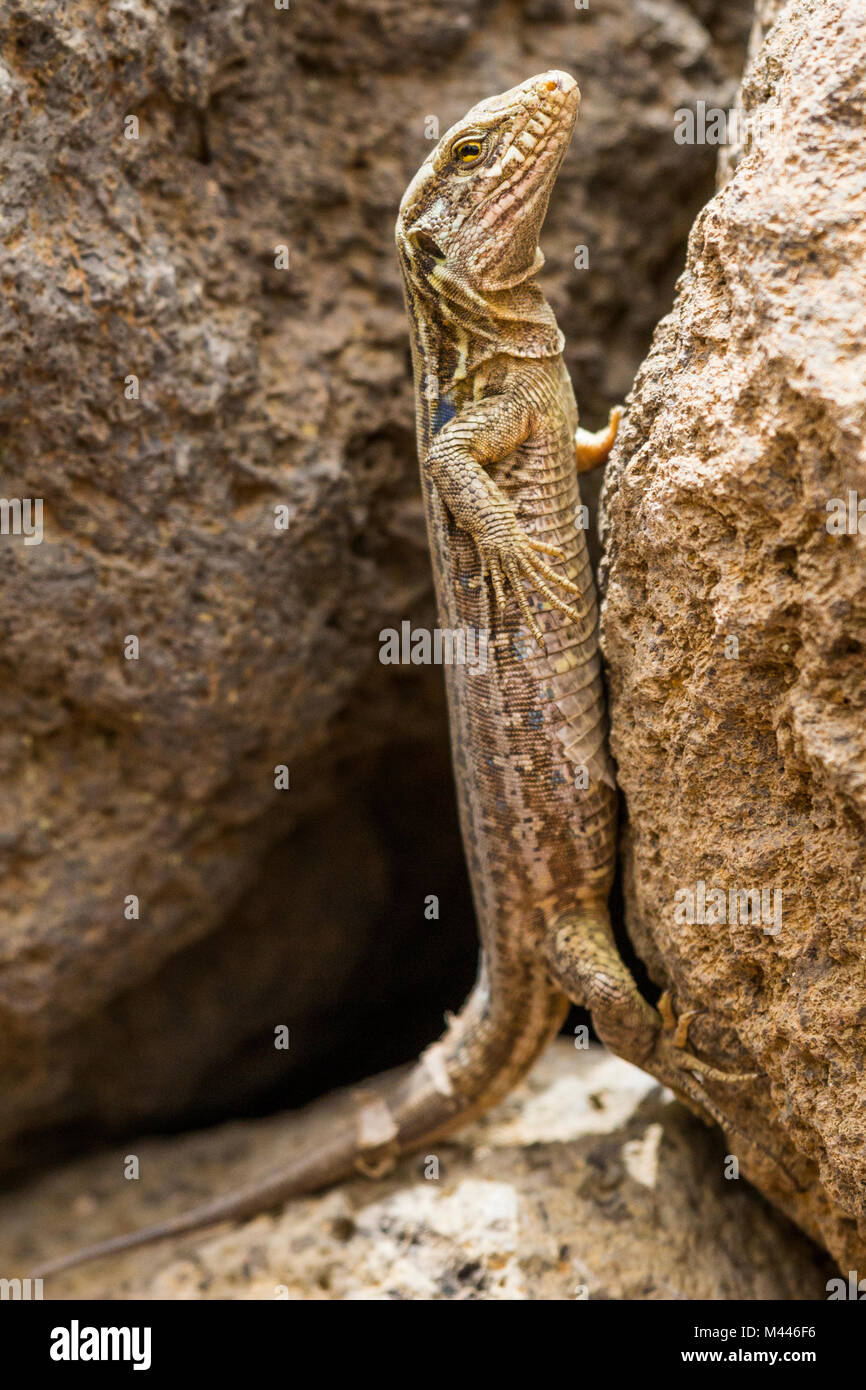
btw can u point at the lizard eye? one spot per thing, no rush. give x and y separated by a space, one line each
467 151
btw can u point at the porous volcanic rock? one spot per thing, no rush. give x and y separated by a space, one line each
734 629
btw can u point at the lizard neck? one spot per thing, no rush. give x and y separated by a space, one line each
513 320
458 326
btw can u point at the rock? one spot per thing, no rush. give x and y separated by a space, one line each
734 625
166 387
590 1182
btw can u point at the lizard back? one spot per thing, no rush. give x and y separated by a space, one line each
528 727
535 791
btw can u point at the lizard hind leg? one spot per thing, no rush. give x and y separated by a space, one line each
586 964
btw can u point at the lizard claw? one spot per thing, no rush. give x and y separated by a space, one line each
517 559
679 1026
498 583
556 551
676 1046
512 569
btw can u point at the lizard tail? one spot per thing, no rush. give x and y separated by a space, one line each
483 1053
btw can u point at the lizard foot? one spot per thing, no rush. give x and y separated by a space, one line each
668 1061
585 963
672 1044
686 1074
518 557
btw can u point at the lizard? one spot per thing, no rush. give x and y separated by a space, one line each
500 450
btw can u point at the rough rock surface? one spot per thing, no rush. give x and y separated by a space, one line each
587 1183
735 627
257 387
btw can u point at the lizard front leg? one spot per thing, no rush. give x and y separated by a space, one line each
480 435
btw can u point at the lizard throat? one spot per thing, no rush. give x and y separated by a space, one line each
473 327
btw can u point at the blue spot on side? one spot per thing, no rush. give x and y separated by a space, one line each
445 411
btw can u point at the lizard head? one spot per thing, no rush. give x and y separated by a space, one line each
472 215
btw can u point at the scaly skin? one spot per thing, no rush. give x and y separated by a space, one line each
500 451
